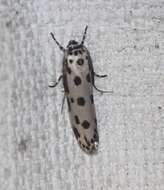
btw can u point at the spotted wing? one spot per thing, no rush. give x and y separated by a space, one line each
77 80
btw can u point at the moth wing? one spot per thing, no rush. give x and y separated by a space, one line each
81 105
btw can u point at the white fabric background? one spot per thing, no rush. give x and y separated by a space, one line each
37 148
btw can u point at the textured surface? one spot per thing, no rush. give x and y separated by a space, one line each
38 150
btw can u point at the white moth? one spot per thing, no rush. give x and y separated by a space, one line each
78 81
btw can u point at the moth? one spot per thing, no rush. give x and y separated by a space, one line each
78 82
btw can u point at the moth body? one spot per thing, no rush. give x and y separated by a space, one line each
78 81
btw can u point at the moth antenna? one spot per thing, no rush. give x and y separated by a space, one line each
84 35
60 46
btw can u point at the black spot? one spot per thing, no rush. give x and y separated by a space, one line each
70 61
80 51
91 97
88 77
81 101
80 61
76 132
77 119
70 53
77 80
72 100
69 70
85 124
75 52
86 57
92 141
87 148
83 145
69 105
96 138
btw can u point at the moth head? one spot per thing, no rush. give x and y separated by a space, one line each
72 44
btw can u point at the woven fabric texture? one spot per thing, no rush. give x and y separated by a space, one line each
38 150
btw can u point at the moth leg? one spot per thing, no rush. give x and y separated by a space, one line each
53 86
63 101
93 83
102 91
100 76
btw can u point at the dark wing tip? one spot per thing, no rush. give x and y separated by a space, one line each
93 149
